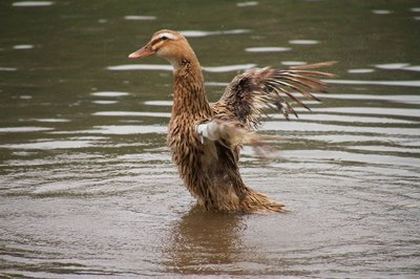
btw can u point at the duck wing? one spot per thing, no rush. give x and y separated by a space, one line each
250 93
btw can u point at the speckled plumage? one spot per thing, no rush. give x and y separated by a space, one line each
209 168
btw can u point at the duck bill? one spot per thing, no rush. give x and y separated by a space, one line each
143 52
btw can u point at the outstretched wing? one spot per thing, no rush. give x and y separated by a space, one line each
248 94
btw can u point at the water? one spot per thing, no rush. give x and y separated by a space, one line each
87 188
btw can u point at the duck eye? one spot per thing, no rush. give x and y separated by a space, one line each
164 38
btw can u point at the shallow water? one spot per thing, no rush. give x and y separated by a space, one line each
87 188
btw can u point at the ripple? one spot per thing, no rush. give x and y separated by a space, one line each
229 68
139 17
415 9
372 159
391 66
50 145
24 129
373 110
22 47
412 68
346 138
127 129
162 103
381 12
7 69
216 84
201 33
52 120
110 93
141 67
404 99
409 83
267 49
133 113
303 42
360 71
293 63
383 148
157 67
398 66
247 4
104 102
318 127
346 118
32 4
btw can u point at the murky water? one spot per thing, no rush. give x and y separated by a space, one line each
87 188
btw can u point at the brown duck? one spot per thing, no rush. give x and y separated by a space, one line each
205 139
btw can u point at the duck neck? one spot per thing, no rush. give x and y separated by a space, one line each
189 92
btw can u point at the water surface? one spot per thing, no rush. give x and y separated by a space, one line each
87 187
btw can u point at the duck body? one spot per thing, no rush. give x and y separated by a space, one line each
205 139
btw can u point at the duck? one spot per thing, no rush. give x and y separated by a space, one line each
205 139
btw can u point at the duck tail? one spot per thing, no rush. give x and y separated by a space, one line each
255 202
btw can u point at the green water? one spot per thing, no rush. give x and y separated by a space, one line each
87 188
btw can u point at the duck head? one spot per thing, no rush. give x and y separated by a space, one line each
168 44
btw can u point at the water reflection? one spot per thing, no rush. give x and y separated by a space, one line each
203 242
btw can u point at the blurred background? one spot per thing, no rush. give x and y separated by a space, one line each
87 188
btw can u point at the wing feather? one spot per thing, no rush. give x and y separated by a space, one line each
247 96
